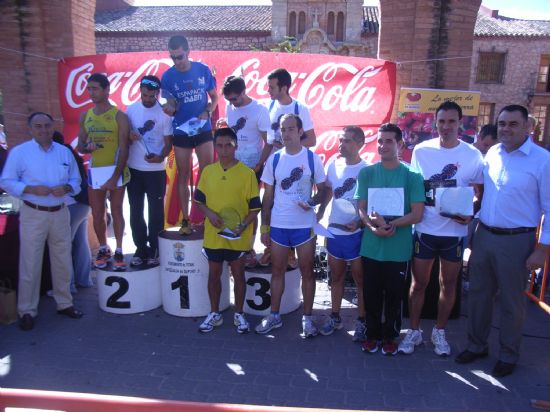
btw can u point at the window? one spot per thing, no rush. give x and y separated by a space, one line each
302 22
490 67
486 113
330 23
540 113
340 27
543 80
292 24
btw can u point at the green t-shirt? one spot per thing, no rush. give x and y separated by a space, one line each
397 248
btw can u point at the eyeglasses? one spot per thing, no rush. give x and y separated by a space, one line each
178 58
152 83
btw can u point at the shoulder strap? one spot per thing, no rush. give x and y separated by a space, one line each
296 108
271 105
311 164
276 158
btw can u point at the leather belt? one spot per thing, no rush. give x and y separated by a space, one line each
45 208
504 231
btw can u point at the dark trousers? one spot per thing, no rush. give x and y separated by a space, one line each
152 184
383 284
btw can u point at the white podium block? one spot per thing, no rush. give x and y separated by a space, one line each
184 275
132 291
258 291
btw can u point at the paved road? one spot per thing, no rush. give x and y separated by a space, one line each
157 355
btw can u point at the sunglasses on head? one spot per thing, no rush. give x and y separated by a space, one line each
152 83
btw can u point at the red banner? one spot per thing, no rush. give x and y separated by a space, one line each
338 91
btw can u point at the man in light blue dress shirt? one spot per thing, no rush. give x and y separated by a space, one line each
41 172
516 195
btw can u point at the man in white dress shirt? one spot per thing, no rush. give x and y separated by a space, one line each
41 172
516 194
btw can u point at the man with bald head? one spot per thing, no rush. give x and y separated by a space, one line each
41 172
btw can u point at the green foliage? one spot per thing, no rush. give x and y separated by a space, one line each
287 45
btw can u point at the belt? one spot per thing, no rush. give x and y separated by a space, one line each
45 208
503 231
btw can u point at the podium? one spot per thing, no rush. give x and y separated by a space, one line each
184 275
258 291
132 291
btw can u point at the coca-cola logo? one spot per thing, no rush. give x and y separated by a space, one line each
328 87
125 82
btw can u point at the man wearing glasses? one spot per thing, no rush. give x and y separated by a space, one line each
250 121
186 86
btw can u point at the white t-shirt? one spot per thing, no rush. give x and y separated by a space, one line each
152 124
292 176
459 166
342 179
276 110
248 122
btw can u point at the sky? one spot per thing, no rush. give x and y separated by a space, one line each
521 9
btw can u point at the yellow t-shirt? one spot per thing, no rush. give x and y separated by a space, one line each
103 129
235 187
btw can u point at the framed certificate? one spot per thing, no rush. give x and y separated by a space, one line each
453 201
388 202
99 175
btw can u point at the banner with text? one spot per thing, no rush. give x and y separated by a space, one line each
338 90
416 113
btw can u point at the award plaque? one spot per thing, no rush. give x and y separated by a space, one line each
388 202
455 201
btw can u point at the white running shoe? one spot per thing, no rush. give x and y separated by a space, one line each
212 320
412 339
441 346
269 323
308 327
241 323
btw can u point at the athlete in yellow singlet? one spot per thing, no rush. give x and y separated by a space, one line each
104 135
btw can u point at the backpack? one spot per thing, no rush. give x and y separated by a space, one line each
277 157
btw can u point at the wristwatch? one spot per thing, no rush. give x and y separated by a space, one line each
264 229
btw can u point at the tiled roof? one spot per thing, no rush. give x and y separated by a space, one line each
258 19
370 20
185 18
507 27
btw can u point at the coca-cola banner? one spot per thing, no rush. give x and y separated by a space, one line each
338 90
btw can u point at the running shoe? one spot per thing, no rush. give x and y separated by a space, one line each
332 324
412 339
103 257
213 320
360 334
153 261
441 347
269 323
370 346
241 323
119 264
308 327
185 229
136 260
389 347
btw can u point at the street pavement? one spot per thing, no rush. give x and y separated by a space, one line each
157 355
